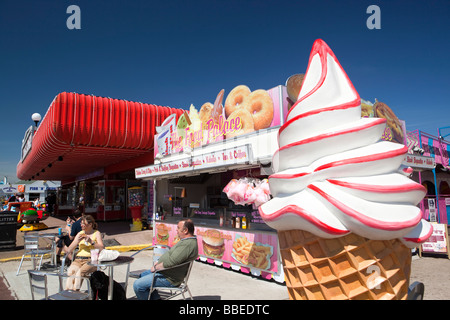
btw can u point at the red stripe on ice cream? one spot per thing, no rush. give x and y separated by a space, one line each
288 176
372 157
422 238
334 134
379 188
368 221
304 215
321 48
348 105
408 170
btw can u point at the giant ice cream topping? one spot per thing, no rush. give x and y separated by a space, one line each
333 174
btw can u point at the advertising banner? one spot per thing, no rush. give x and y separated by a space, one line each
395 129
238 247
242 112
163 134
229 156
419 161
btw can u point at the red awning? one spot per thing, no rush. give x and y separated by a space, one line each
81 134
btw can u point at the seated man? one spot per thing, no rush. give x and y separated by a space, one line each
185 250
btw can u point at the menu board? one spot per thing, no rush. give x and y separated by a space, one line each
438 242
177 211
256 217
251 250
203 213
252 216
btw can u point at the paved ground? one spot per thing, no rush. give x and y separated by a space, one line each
434 272
207 282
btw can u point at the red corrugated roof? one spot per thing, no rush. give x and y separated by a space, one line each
91 133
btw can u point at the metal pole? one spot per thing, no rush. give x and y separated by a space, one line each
437 196
154 208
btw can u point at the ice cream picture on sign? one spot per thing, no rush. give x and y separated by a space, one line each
342 206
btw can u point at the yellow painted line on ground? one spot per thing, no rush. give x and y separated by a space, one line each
135 247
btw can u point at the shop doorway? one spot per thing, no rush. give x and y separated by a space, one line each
444 194
33 196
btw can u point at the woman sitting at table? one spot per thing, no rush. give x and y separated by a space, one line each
64 241
87 239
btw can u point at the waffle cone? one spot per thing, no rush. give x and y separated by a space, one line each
348 267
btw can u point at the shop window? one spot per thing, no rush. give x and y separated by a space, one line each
99 193
66 197
33 196
429 186
444 188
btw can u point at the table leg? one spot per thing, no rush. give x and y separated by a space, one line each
54 252
111 283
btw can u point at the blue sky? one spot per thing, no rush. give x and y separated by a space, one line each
175 53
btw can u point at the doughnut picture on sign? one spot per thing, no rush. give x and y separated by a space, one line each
258 104
381 110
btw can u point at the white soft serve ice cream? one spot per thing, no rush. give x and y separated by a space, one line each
333 174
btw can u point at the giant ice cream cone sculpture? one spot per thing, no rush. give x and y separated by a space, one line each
345 212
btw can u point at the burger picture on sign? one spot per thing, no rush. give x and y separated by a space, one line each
162 234
213 244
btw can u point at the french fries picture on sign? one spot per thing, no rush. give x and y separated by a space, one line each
252 254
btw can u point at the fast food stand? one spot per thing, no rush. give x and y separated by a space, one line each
190 184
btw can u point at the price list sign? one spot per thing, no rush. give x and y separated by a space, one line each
438 242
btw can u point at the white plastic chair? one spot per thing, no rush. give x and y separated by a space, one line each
31 247
39 287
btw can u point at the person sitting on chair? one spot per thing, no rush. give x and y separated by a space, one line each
72 228
185 250
86 240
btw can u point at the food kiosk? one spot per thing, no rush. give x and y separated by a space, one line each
191 184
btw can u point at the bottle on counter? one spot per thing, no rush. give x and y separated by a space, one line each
238 223
233 222
244 222
221 220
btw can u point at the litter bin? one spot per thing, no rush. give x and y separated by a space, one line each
8 229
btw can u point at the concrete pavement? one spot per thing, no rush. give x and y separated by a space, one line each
207 282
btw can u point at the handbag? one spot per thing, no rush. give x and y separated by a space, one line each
108 255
